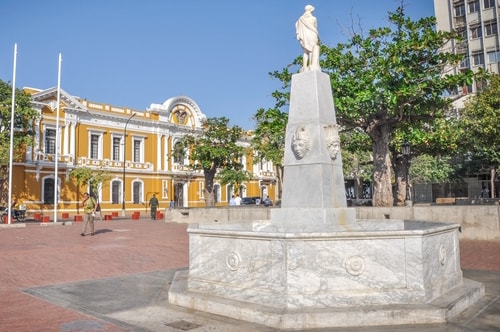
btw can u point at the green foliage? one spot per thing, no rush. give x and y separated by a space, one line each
24 116
390 85
214 148
91 177
392 75
427 168
233 177
480 125
268 141
357 159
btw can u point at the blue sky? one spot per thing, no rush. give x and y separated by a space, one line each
132 53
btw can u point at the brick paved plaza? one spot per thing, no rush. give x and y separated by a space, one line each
35 256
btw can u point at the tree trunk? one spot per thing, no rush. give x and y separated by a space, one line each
400 171
209 187
382 188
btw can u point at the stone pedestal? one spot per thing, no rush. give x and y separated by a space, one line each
389 273
313 265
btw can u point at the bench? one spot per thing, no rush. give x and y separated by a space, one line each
445 200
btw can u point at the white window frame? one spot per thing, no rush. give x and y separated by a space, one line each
139 139
459 10
119 193
45 136
120 147
488 4
476 31
490 28
474 6
141 191
99 134
476 57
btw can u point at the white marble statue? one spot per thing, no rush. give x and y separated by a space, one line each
306 29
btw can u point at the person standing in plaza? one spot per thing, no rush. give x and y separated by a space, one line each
89 206
153 204
237 200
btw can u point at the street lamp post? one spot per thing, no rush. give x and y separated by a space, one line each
124 155
406 151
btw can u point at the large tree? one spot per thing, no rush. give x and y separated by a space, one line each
24 116
392 78
480 130
268 140
213 149
396 78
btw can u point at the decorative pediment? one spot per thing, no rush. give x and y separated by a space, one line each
179 110
48 98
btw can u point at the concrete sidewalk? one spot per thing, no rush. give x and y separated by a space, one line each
52 279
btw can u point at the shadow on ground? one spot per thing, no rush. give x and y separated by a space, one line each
140 303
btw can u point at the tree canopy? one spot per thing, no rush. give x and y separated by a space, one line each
268 141
24 116
392 84
212 149
479 122
96 179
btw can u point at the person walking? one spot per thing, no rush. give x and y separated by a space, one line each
89 206
153 204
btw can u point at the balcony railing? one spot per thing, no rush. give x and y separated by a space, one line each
50 157
107 163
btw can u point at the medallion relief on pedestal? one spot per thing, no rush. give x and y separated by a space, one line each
355 265
233 261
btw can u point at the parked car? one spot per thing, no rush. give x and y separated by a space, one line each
249 200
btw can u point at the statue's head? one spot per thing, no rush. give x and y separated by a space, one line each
301 142
309 8
332 140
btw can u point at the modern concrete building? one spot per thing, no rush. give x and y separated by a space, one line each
477 22
134 146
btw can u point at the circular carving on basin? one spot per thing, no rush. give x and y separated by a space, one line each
355 265
233 261
442 255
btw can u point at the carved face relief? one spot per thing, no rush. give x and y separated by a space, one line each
332 140
301 142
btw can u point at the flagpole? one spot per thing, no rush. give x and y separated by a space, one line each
58 141
11 157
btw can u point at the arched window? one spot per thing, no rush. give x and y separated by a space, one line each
217 193
137 192
229 191
116 190
49 189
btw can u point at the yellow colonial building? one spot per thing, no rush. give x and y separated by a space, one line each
135 147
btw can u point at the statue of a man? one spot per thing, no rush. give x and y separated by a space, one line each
306 29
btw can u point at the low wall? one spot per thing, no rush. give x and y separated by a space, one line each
217 214
478 222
